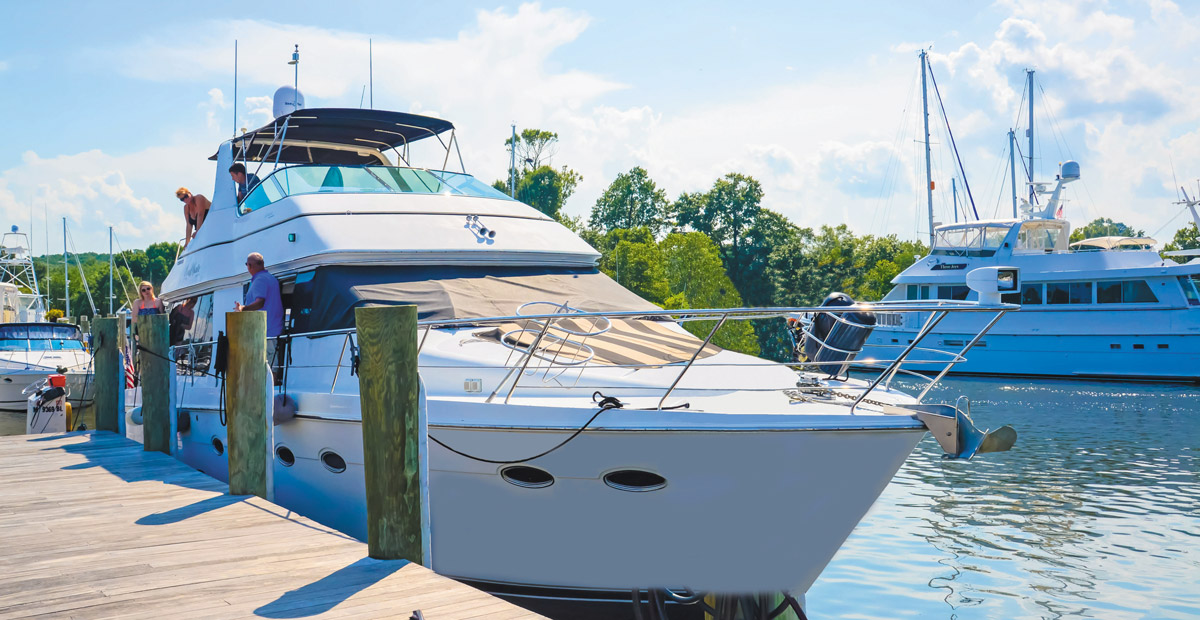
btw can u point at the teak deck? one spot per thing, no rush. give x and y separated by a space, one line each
91 526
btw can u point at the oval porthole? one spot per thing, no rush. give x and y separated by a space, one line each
333 461
634 480
528 477
218 446
285 456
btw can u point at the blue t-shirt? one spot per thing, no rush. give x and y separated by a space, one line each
264 286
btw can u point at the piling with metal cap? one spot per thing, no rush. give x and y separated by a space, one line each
157 371
393 432
247 386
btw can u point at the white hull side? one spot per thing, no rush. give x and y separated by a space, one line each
12 382
742 511
1142 345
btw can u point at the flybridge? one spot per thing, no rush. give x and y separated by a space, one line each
341 136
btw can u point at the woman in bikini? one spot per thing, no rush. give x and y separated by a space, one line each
147 303
195 209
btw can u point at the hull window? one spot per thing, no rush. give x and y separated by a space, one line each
333 461
528 477
285 456
634 480
218 446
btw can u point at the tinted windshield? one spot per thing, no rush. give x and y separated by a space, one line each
39 332
322 179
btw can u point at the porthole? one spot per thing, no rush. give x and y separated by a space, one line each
634 480
528 477
218 446
333 461
285 456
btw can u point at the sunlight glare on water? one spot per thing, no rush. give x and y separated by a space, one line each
1094 514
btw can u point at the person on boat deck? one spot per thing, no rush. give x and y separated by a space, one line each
180 320
263 294
195 209
147 303
245 181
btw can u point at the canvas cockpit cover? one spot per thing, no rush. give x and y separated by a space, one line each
326 298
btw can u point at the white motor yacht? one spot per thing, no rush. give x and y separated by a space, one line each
719 471
1107 308
30 348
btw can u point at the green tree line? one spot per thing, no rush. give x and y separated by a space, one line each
131 267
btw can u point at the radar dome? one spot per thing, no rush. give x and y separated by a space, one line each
288 100
1070 170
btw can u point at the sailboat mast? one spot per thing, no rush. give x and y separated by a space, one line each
66 274
1012 164
1029 75
110 274
928 157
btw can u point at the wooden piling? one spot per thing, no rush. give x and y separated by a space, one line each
108 373
156 372
392 432
246 394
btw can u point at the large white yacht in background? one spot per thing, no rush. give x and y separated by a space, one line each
31 348
1109 307
720 472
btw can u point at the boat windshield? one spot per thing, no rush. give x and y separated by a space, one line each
38 337
1042 236
326 179
970 240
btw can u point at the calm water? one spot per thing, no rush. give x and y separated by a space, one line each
1094 514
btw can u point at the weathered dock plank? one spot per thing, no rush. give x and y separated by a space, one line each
91 526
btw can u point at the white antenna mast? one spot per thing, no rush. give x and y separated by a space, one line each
295 62
371 70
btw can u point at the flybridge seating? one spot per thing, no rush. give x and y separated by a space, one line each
324 179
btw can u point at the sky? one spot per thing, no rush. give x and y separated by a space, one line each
107 108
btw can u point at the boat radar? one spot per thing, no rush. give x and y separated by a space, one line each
287 100
1068 171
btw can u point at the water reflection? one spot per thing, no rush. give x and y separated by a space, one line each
1095 513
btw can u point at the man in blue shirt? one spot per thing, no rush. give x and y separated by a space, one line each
245 181
263 294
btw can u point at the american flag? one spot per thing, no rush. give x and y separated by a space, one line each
1058 214
130 376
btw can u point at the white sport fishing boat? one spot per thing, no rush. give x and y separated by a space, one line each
30 348
718 471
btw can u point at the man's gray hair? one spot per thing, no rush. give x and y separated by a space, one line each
256 258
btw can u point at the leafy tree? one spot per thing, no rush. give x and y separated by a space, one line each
537 183
634 260
1104 227
547 189
695 278
1186 238
632 200
534 145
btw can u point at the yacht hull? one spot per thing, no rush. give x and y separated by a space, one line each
741 511
1123 356
13 382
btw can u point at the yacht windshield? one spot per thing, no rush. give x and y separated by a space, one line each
39 337
974 240
1042 236
324 179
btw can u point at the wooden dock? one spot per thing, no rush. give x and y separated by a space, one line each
91 526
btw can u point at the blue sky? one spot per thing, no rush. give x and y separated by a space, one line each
108 107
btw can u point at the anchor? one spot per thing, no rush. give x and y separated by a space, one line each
957 434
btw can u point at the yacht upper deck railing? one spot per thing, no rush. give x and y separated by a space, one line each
550 337
348 179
